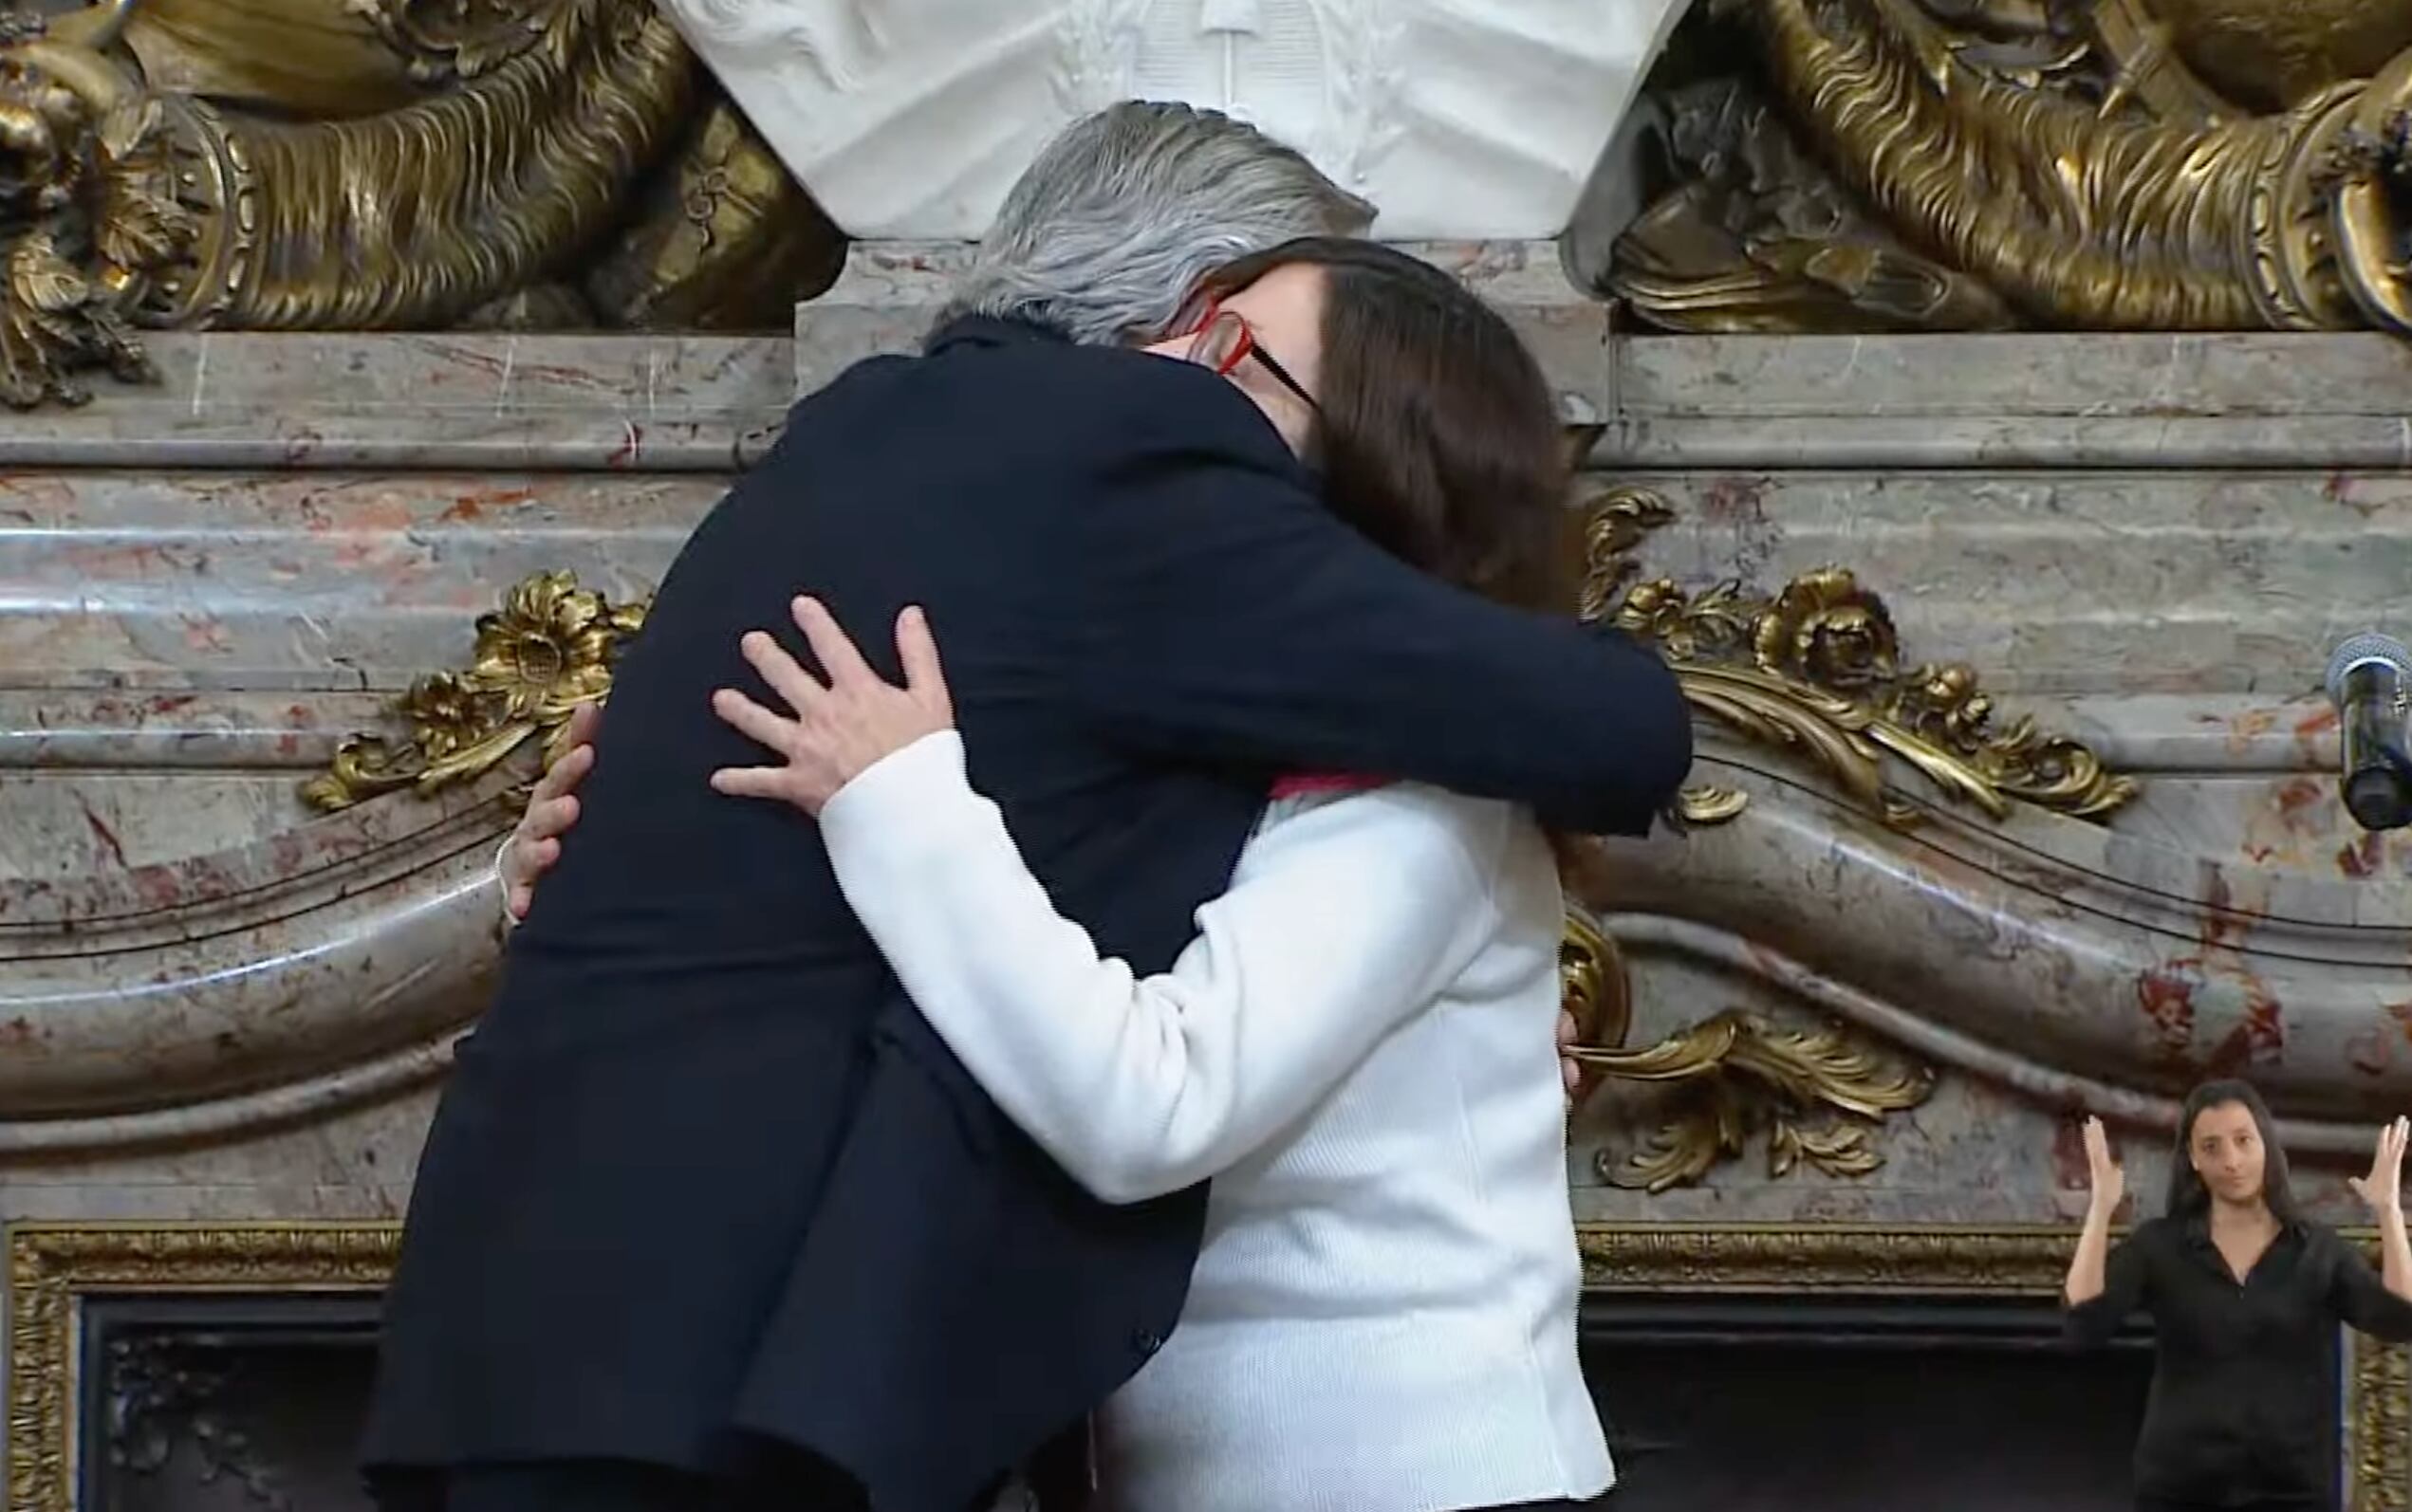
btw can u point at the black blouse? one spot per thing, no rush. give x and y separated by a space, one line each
2241 1383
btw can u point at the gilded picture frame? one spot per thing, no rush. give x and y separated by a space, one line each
54 1268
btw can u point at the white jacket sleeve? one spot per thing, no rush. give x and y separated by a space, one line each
1340 923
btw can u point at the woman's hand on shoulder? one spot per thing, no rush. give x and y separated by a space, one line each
831 733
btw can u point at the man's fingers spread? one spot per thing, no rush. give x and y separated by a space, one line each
566 773
550 817
584 721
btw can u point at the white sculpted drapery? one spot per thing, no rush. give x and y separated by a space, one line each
1460 119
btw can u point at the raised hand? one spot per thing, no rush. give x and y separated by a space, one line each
552 808
838 730
2108 1183
2382 1188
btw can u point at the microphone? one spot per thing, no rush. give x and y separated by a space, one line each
2370 682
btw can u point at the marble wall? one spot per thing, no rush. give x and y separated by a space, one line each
215 1003
2147 543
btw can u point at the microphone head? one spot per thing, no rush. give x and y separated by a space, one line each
2362 650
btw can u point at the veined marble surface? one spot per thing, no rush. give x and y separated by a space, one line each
214 1003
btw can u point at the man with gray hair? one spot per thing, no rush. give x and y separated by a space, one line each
709 1216
1121 215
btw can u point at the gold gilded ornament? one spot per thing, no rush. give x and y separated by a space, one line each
548 648
1815 1096
1969 164
1814 669
1592 982
376 165
90 221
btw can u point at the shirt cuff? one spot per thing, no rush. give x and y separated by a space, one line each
909 801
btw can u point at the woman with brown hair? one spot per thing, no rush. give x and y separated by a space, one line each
1356 1048
2246 1295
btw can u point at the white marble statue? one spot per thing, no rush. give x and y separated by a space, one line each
1460 119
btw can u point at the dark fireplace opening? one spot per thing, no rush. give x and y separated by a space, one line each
223 1404
1735 1404
1791 1404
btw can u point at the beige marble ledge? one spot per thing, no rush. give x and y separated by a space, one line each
172 584
119 729
217 732
349 1162
2082 970
2242 400
1572 338
68 829
1922 402
1976 1150
2112 869
640 403
2079 586
2070 584
578 403
2290 824
324 964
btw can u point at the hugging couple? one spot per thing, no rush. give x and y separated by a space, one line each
1122 1061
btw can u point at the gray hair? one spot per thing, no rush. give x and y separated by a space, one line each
1106 232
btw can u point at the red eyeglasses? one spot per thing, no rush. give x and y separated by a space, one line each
1223 339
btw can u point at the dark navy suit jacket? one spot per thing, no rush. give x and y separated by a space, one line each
703 1173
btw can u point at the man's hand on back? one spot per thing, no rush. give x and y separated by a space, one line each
534 846
1570 1070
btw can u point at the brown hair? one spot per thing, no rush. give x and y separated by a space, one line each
1436 433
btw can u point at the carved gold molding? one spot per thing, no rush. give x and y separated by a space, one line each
225 168
548 648
2179 165
1815 668
53 1267
1593 981
1777 1258
1815 1096
1965 1261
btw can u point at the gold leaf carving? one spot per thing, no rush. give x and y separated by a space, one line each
1975 164
1592 982
227 189
444 40
551 647
1814 669
1816 1096
90 219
